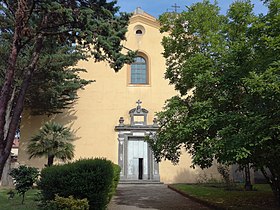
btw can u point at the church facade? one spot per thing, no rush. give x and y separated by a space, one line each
114 114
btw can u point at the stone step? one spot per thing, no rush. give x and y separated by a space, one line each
139 182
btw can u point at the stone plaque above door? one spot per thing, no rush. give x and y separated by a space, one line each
135 157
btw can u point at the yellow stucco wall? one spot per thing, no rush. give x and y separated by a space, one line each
101 104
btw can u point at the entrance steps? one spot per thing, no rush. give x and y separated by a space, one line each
140 182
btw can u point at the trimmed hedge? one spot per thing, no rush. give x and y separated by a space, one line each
93 179
117 170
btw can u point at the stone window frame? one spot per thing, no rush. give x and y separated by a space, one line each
139 30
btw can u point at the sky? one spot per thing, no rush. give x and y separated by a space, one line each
157 7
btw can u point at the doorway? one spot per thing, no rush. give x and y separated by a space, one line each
140 168
137 159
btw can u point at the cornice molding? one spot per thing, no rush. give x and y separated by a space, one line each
145 19
136 128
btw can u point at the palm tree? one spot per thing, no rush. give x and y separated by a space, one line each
52 141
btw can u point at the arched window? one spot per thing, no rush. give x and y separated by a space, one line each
139 32
138 71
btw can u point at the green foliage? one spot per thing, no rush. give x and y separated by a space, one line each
56 81
207 179
69 203
52 141
224 171
89 178
116 179
226 69
11 194
24 178
74 30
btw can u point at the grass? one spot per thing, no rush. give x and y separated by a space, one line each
260 198
15 203
215 195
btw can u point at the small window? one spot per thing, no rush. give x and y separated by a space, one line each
139 32
138 71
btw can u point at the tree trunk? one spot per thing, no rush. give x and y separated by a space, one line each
275 185
6 90
274 182
6 142
50 160
248 184
6 178
5 98
3 166
23 196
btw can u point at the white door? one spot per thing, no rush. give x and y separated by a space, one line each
137 159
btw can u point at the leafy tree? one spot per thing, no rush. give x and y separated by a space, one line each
52 141
30 32
24 178
226 69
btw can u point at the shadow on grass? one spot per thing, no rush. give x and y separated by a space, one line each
218 198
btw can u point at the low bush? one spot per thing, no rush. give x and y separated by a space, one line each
70 203
93 179
224 171
24 178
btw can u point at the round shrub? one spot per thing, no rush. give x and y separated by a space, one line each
87 178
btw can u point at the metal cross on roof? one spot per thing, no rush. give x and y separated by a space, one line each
176 7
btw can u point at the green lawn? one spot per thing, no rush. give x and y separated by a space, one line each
260 198
15 203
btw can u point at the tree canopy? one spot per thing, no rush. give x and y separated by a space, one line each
226 69
41 41
55 81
